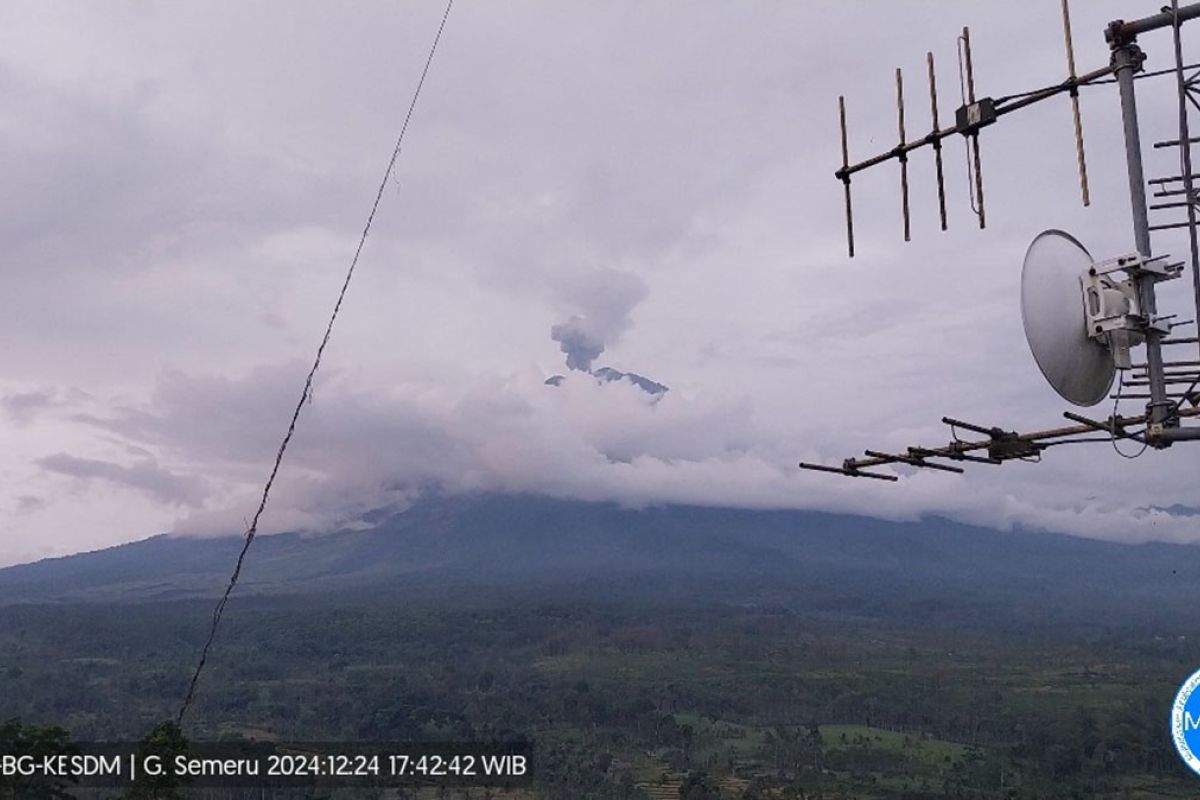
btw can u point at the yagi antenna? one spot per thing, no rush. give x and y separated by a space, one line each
1082 317
974 114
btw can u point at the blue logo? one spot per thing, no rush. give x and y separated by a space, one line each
1185 722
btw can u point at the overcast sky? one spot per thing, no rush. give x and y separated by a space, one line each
184 185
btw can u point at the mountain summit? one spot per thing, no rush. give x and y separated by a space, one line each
608 375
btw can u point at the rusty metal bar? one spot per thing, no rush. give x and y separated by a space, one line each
937 143
1074 90
1178 373
845 176
1107 427
903 157
957 456
1185 379
1170 226
966 39
1052 91
1184 363
1171 179
914 461
1191 397
968 426
852 473
1174 143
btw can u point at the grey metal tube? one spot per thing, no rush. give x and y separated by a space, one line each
1163 20
1181 434
1127 59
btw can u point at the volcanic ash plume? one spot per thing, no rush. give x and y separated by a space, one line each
605 297
581 346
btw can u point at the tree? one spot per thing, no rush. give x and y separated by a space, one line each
29 740
699 786
754 791
164 742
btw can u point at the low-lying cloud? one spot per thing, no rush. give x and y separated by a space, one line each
362 448
145 475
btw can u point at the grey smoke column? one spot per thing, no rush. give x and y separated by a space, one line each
581 347
604 298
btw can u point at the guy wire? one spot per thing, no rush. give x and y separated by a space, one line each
306 394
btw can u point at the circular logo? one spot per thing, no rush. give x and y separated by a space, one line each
1185 722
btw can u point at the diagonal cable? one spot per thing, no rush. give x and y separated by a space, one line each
252 530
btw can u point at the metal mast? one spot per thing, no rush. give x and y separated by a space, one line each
1160 423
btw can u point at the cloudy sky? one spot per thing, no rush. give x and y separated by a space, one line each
185 185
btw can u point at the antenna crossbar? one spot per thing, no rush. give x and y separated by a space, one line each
975 119
1000 445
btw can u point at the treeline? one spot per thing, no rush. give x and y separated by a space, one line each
622 698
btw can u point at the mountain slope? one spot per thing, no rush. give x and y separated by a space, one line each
825 562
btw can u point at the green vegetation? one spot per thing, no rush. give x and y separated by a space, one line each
17 738
627 700
165 741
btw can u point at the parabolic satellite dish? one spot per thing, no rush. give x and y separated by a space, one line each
1080 368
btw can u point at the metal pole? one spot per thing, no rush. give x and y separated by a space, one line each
1185 158
1127 59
